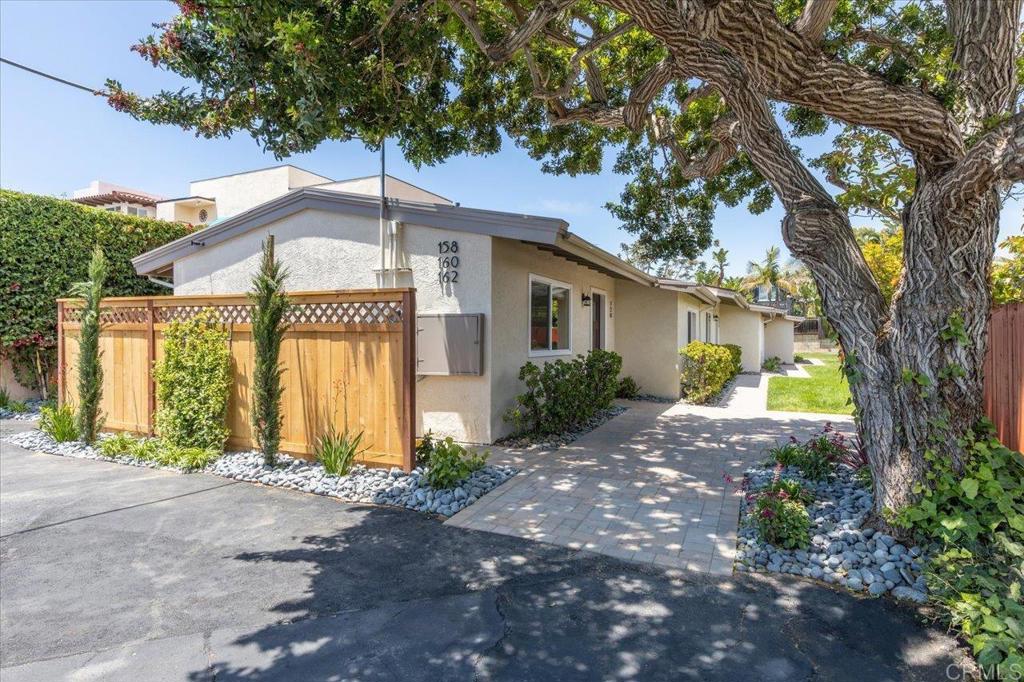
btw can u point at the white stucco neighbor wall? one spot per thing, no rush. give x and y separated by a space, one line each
743 328
646 336
512 263
242 191
778 339
393 187
326 250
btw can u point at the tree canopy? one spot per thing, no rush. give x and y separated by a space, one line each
567 80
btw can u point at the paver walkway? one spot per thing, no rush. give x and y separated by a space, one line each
651 485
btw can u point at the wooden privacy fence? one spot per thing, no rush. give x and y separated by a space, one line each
348 359
1004 374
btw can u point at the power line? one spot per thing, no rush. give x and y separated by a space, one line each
50 76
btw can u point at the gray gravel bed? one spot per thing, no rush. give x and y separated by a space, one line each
843 551
32 413
557 440
370 485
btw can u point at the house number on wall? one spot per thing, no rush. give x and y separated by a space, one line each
448 262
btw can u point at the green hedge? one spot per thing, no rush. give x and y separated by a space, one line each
45 245
563 395
736 353
705 369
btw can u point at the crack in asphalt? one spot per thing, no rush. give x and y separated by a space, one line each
112 511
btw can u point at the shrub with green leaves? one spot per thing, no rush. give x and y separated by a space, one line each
780 513
561 395
972 526
90 370
58 423
18 406
735 355
772 364
32 230
628 388
337 451
814 463
192 383
424 449
705 369
269 307
451 463
5 399
117 445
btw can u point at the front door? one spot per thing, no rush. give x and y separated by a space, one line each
597 307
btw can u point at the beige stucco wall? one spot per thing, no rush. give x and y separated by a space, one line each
240 192
743 328
9 383
512 263
647 337
778 339
703 332
326 250
184 213
393 187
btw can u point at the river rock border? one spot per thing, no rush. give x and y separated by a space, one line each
843 551
374 486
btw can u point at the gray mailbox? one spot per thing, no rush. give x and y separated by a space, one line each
449 344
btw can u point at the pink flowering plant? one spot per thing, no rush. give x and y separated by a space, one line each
780 514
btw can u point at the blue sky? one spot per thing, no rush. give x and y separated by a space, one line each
55 139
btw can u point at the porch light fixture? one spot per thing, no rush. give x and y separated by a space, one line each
586 300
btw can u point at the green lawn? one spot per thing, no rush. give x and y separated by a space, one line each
826 391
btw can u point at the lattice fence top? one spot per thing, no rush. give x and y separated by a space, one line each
117 315
338 312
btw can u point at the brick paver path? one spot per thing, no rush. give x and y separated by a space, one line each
647 486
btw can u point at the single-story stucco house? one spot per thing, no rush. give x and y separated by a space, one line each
523 288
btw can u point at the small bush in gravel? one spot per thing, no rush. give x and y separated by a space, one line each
451 463
782 520
628 388
337 451
799 359
90 369
424 448
772 364
17 407
117 445
792 489
58 423
5 399
817 458
186 458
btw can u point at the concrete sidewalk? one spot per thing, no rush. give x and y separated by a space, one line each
114 573
651 485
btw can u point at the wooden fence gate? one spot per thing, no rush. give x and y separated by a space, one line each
348 358
1004 374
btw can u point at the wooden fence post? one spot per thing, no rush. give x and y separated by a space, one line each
409 379
150 359
60 353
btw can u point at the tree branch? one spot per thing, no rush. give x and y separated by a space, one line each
872 37
997 158
815 18
500 52
580 57
984 33
719 153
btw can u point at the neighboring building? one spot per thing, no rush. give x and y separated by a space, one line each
536 290
110 197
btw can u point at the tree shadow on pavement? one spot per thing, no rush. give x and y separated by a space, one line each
401 597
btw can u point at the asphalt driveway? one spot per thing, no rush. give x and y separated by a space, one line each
109 572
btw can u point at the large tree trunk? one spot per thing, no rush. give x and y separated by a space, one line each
922 388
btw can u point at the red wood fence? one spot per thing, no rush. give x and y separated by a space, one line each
1004 374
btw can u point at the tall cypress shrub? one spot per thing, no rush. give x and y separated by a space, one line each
90 373
270 306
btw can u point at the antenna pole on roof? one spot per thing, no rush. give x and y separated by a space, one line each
383 211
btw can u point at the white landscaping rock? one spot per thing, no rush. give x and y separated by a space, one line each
843 551
391 487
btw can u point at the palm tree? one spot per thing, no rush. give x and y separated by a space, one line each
769 273
720 258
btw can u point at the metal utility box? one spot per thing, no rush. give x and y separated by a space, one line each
450 344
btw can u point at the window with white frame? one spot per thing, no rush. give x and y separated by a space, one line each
550 316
